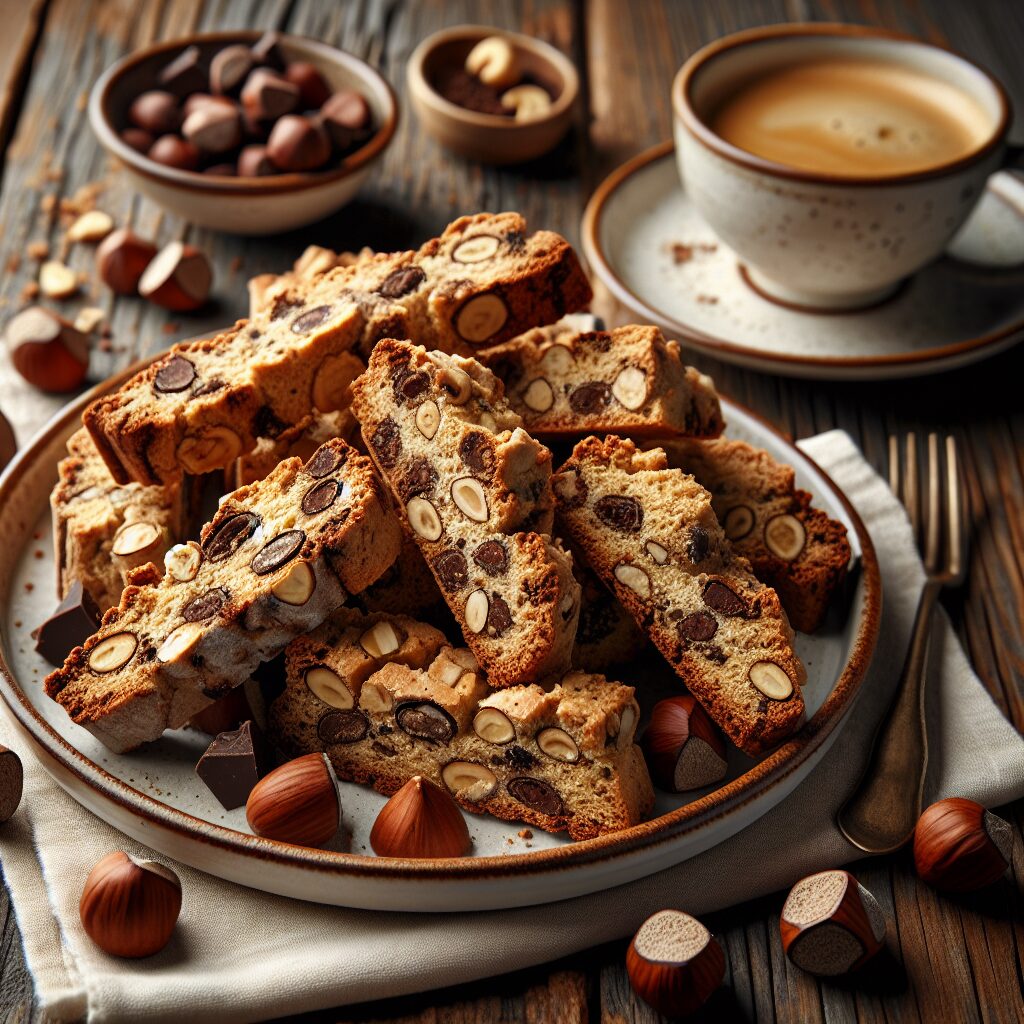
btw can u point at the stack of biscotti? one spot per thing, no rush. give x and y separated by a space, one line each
207 402
387 698
651 535
277 558
315 260
102 529
474 490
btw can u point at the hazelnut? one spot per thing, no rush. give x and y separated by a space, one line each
683 747
213 128
959 846
221 170
266 95
346 118
420 820
57 280
229 68
8 442
91 226
155 112
205 99
313 89
253 162
297 143
184 75
174 151
121 258
129 908
12 778
47 350
674 963
831 924
296 803
177 278
267 50
137 139
495 62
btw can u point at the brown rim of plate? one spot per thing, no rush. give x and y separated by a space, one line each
564 67
589 231
269 185
683 109
771 771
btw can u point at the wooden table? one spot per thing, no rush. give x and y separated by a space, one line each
953 960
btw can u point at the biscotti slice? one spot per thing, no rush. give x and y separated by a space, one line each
792 546
562 759
407 588
277 558
627 381
205 403
651 535
475 492
102 529
606 636
314 261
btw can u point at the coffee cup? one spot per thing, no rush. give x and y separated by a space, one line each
835 160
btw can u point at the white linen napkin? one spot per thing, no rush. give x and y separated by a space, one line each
242 955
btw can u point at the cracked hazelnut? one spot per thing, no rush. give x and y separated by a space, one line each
267 96
181 642
182 561
538 396
423 518
137 543
91 226
494 726
213 128
229 68
657 551
683 747
47 351
959 846
421 820
121 258
177 278
495 61
296 803
380 640
785 536
57 280
213 448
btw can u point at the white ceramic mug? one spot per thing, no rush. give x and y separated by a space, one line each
812 239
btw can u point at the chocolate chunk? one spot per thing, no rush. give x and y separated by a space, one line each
620 512
590 398
227 713
492 557
267 424
386 441
233 763
537 795
426 721
205 606
324 462
499 616
420 478
320 497
277 552
410 386
402 281
697 626
230 535
342 726
208 388
519 758
175 375
477 452
722 599
311 318
451 569
75 619
700 543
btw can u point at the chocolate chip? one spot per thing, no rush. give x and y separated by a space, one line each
267 424
324 462
320 497
209 388
477 453
342 726
722 599
175 375
420 478
386 441
700 543
205 606
451 570
697 626
590 398
426 721
499 616
277 552
402 281
411 385
519 758
537 795
492 557
311 318
230 535
620 512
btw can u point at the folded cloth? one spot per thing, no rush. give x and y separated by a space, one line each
241 955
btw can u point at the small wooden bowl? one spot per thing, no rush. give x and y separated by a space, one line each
490 138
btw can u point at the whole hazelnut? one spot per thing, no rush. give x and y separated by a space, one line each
420 820
205 99
213 128
174 151
138 139
674 963
298 144
156 112
8 444
296 803
313 89
267 95
121 258
266 51
47 350
129 908
229 68
346 118
683 747
177 278
184 75
959 846
253 162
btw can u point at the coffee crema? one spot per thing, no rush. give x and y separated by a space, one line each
852 118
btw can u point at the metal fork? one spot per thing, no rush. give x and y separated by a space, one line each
880 815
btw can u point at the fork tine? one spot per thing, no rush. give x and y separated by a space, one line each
911 492
894 466
955 504
933 516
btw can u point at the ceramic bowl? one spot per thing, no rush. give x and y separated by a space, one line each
487 137
245 206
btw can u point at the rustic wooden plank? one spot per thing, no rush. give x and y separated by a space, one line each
22 23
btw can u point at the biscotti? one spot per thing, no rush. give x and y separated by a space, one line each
475 492
387 699
314 261
407 588
651 535
792 546
606 636
277 558
102 529
628 381
207 402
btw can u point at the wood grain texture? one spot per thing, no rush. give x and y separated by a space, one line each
947 959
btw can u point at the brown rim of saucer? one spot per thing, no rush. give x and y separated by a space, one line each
683 109
64 759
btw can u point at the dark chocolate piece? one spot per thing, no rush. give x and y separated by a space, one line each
233 763
76 618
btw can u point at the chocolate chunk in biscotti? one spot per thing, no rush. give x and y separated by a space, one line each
263 572
722 630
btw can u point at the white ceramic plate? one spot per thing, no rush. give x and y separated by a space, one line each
656 255
154 795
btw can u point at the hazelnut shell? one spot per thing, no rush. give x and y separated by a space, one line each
959 846
420 820
296 803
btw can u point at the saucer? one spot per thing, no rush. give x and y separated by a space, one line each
651 248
